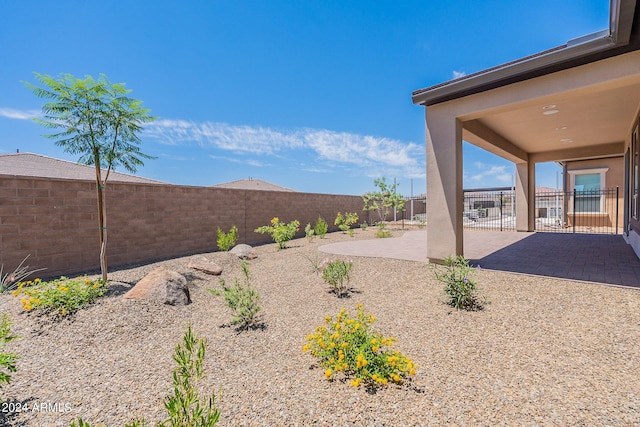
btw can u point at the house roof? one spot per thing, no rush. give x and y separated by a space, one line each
253 184
37 165
622 36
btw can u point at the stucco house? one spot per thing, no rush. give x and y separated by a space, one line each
579 102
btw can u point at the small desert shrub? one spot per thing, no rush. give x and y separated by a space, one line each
185 407
241 298
364 226
11 279
459 286
344 222
316 265
321 227
382 231
350 346
227 240
7 360
61 297
280 232
336 274
309 232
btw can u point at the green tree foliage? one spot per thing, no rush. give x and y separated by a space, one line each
99 121
383 199
7 359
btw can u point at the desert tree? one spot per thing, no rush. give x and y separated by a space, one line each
383 199
99 121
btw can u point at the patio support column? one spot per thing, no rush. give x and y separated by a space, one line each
444 185
525 196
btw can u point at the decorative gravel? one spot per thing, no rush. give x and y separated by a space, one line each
544 352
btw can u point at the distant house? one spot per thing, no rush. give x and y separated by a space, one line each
37 165
253 184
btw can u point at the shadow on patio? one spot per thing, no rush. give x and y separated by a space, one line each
595 258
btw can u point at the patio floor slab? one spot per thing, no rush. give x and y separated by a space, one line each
594 258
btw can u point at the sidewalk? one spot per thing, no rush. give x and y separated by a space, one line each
595 258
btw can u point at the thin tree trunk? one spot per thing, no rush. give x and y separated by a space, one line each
103 244
101 218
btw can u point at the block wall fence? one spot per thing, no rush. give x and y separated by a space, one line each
55 220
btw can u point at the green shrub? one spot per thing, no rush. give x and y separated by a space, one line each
351 347
241 298
321 227
459 286
344 222
185 407
280 232
316 265
10 280
336 274
364 226
382 231
7 360
61 297
309 232
228 240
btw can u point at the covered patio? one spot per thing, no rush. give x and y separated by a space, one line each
579 103
605 259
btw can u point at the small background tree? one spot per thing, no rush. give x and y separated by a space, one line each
384 199
98 121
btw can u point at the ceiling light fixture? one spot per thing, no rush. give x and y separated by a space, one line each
562 128
549 107
566 140
550 112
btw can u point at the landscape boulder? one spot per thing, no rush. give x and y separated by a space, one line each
243 251
166 286
205 265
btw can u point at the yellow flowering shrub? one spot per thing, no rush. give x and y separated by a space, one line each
61 297
348 346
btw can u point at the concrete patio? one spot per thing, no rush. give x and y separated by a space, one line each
603 259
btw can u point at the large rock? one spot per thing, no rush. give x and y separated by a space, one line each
166 286
244 251
205 265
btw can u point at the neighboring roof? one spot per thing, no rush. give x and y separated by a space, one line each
37 165
253 184
622 36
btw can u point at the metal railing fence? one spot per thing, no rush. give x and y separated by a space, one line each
590 211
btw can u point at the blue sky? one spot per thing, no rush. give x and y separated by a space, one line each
310 95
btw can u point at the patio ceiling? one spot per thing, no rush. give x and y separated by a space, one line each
584 112
599 117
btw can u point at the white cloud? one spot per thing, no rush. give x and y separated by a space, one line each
380 156
458 74
499 173
245 139
11 113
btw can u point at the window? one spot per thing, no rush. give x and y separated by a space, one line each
588 185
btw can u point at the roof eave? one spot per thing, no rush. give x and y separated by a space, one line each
619 33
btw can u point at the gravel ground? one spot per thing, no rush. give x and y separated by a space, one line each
544 351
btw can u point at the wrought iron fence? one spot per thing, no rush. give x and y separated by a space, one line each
591 211
489 209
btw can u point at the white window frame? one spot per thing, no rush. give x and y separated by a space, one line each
572 183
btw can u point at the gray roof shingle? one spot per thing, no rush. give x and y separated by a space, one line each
37 165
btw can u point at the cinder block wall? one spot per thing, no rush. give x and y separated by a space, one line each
55 220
